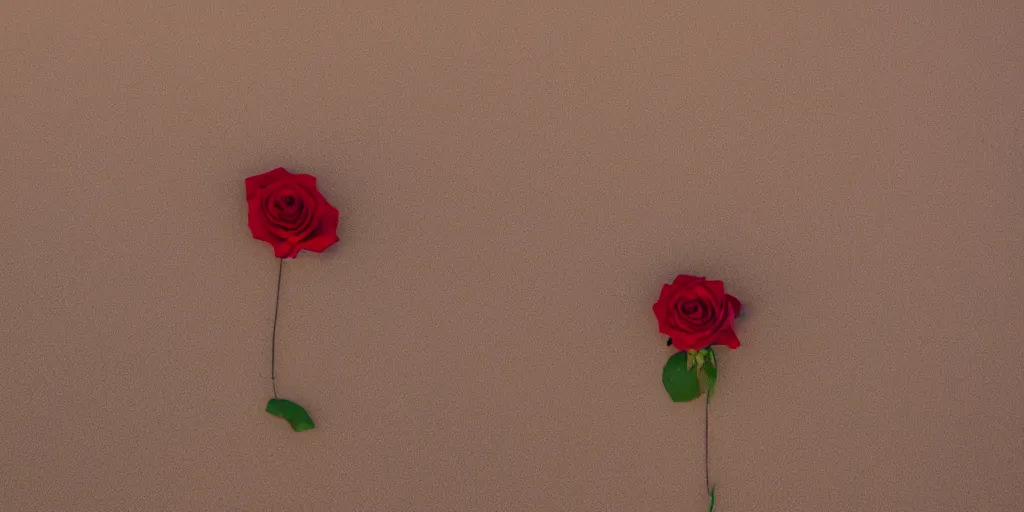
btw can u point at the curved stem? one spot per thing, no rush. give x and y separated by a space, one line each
273 336
707 471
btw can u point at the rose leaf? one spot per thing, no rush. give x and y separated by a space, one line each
680 380
296 416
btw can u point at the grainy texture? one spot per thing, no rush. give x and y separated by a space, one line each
516 181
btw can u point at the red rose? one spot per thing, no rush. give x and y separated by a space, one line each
697 313
288 212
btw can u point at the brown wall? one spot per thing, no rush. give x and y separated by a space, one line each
516 181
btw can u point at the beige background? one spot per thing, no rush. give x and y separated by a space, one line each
516 180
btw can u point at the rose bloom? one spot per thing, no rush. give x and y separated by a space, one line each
288 212
696 313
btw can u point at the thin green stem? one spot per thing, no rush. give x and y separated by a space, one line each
273 336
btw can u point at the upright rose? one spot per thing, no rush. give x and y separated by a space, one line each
288 212
696 313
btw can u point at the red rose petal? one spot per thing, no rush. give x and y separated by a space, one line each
666 293
728 338
691 342
735 304
254 183
684 280
326 234
304 222
320 243
258 225
717 288
306 181
286 249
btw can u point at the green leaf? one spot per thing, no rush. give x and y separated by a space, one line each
292 412
711 508
680 380
710 373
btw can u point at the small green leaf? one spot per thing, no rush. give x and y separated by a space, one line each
292 412
710 373
680 380
711 507
691 359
